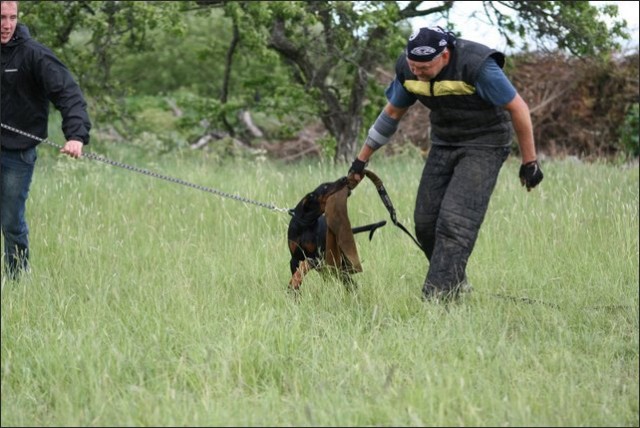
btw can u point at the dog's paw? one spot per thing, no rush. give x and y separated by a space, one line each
294 283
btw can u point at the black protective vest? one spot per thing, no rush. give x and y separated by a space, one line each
459 117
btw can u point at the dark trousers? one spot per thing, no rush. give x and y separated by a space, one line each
453 197
16 172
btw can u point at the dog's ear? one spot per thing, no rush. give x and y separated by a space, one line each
310 202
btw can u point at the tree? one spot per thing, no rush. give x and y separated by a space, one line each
321 54
111 29
332 47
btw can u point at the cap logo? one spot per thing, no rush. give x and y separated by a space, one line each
423 50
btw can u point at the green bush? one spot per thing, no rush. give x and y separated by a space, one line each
629 140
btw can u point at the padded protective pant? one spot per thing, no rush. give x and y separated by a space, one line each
453 197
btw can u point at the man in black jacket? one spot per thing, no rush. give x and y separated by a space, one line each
473 108
32 76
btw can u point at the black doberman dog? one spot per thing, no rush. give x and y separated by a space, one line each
307 232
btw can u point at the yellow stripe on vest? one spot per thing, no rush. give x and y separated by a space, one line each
443 87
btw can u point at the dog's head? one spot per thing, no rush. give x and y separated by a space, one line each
313 204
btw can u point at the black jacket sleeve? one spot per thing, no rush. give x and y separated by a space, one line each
65 94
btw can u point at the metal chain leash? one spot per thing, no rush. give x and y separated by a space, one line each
268 206
151 173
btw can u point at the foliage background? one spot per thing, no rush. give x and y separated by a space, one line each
207 63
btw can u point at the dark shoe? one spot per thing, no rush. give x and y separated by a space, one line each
433 294
17 265
465 287
16 274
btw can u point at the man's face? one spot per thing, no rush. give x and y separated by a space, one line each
426 71
9 20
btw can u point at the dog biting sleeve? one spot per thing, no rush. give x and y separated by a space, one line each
381 131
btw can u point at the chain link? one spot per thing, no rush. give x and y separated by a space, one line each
151 173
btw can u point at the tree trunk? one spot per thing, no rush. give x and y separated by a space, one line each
344 124
344 127
342 120
345 130
347 141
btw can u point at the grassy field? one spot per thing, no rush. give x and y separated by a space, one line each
155 304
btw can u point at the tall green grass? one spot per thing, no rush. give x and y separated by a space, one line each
154 304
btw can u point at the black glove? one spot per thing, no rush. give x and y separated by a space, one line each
530 174
357 167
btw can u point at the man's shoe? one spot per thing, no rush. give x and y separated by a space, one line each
465 287
433 294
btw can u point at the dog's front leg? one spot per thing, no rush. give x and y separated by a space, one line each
296 279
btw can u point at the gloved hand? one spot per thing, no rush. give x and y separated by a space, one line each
356 173
530 174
